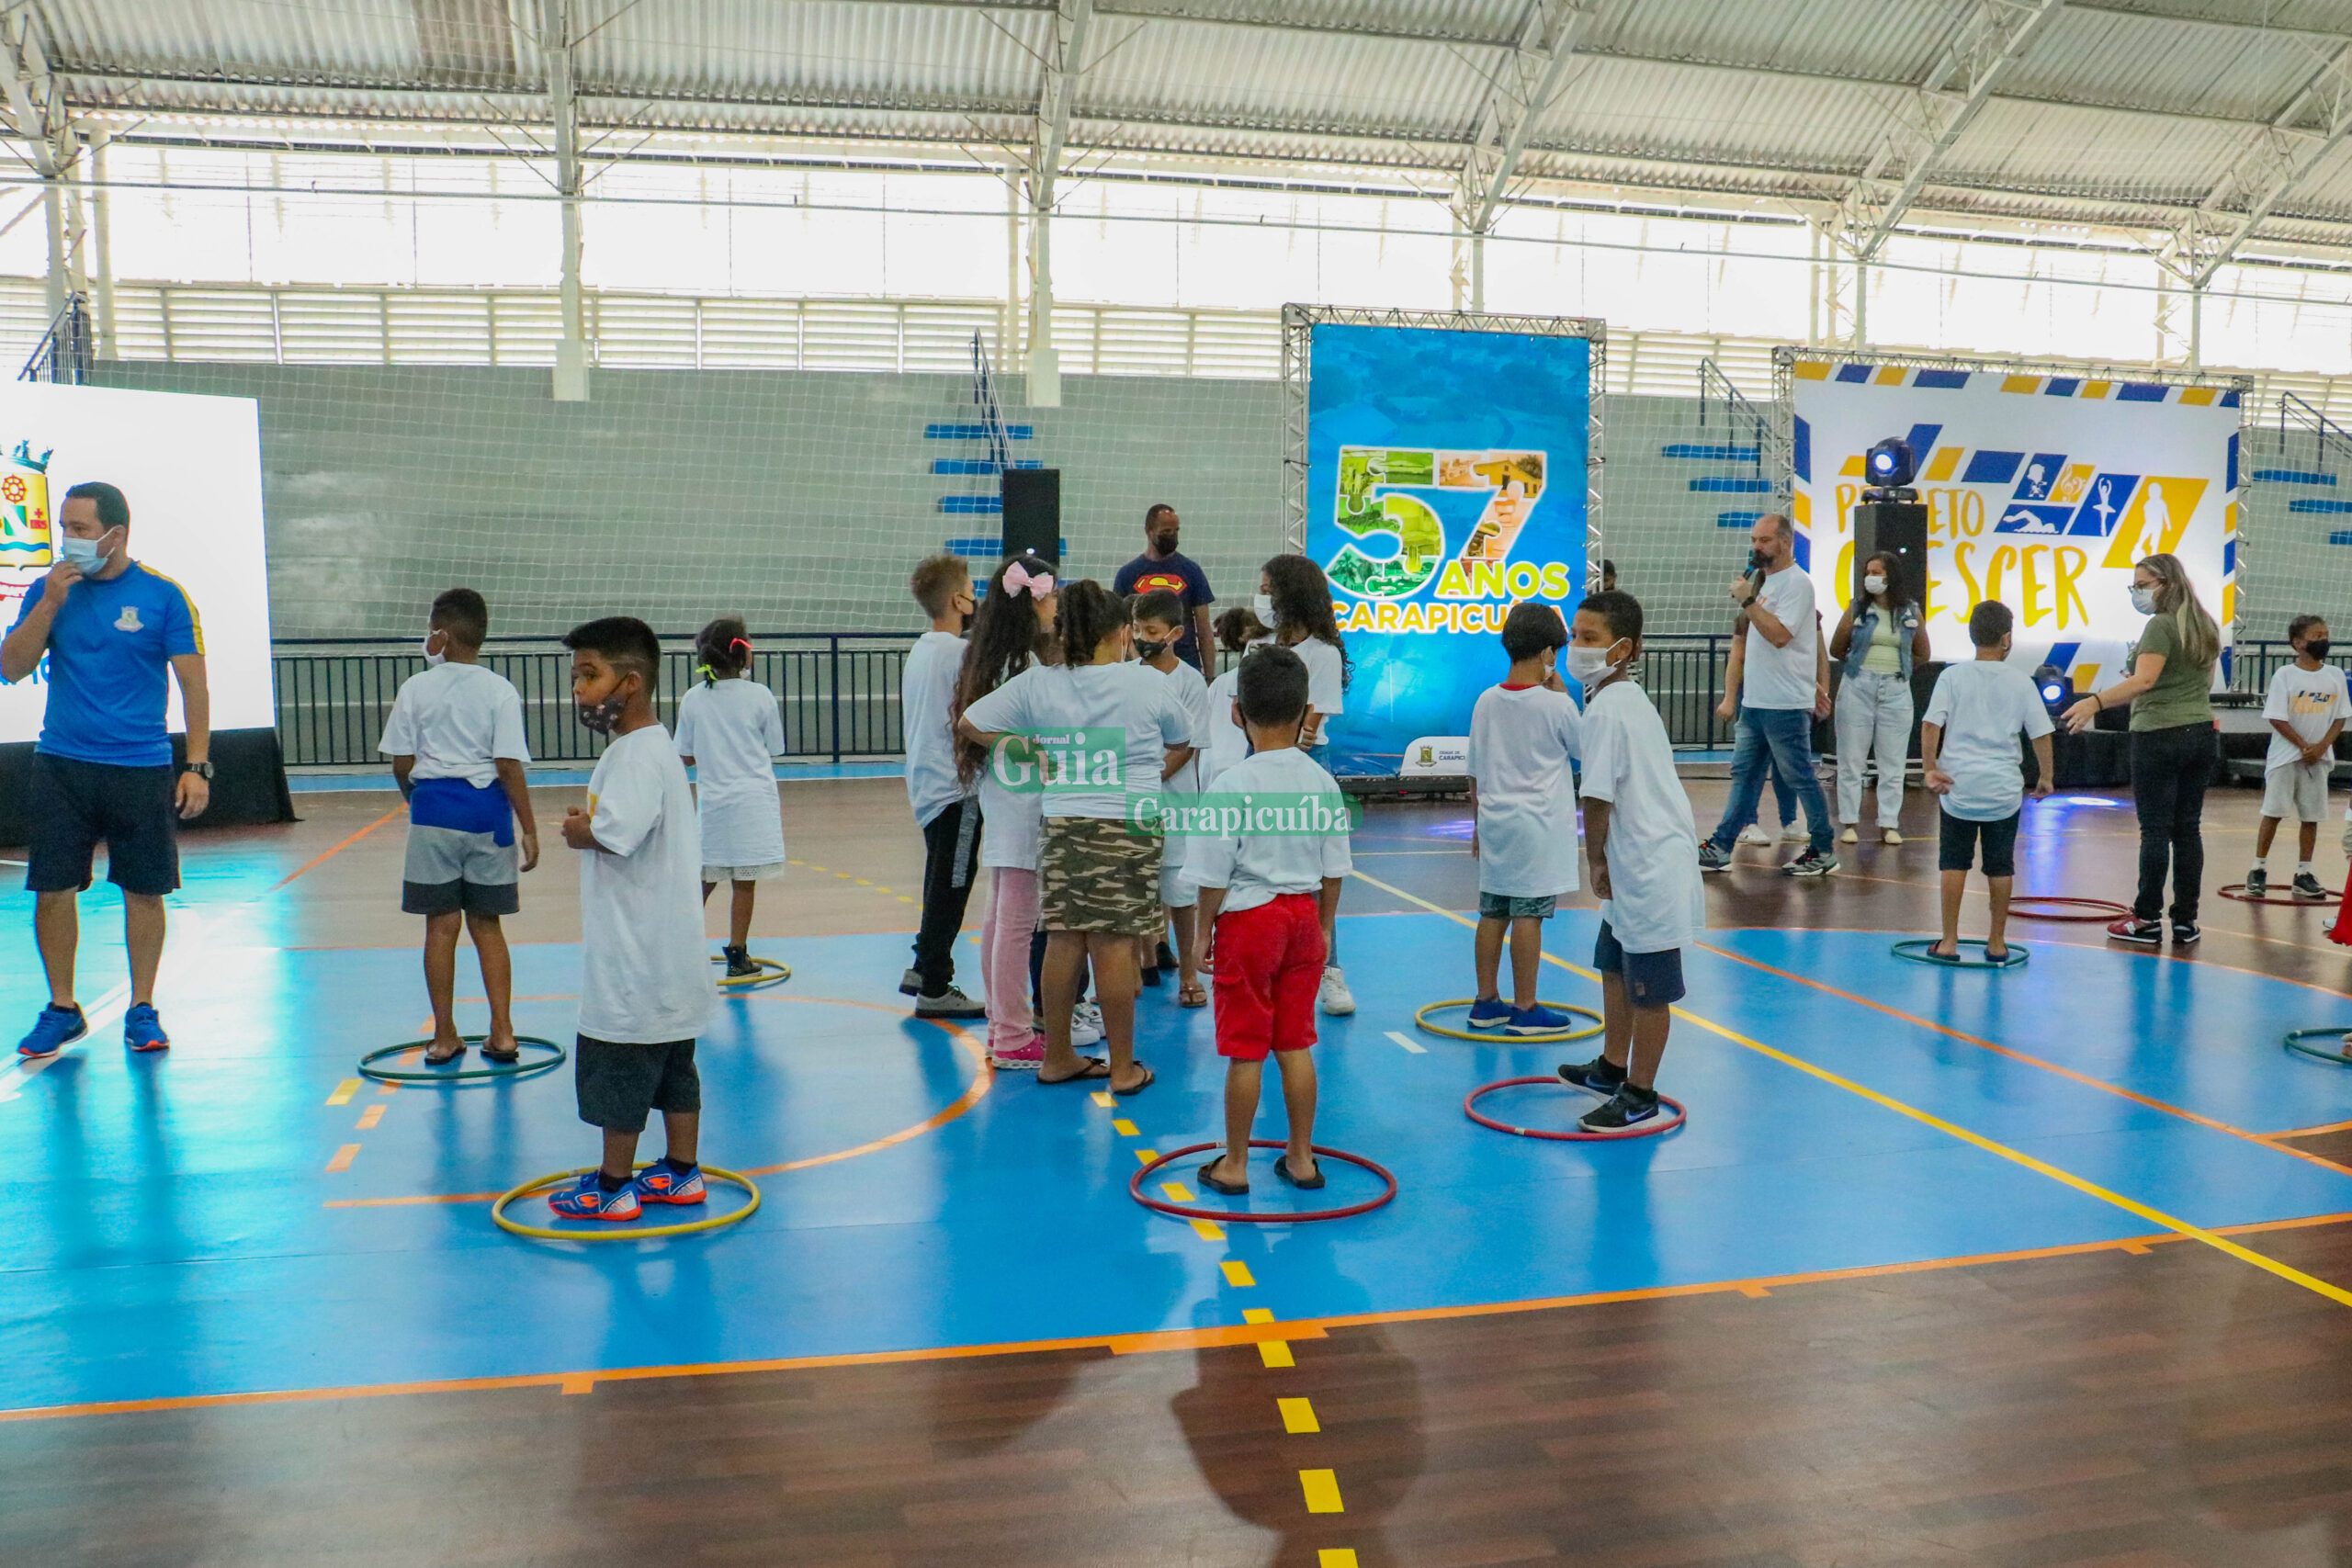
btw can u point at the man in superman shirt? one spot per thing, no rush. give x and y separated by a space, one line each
1159 567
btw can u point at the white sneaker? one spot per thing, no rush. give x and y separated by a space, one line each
1795 833
1086 1024
1337 999
1754 833
1850 836
1889 837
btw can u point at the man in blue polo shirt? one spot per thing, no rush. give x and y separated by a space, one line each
102 769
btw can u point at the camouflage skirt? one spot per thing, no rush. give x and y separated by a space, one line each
1099 873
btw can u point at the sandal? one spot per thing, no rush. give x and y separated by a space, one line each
1149 1079
1312 1184
504 1058
444 1058
1217 1184
1193 996
1090 1067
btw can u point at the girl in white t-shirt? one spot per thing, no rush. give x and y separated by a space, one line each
730 734
1105 725
1008 636
1295 599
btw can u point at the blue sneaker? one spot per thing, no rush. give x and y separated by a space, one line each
1492 1013
143 1029
52 1032
1537 1020
662 1182
586 1199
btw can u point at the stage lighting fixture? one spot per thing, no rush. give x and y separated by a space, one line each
1890 466
2055 686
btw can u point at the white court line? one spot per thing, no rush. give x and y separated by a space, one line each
104 1013
1416 1048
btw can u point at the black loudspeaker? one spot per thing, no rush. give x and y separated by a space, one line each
1033 512
1897 528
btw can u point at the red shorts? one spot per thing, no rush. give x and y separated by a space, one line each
1269 967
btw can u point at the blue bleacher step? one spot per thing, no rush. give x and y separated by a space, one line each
1736 519
972 505
989 544
979 465
2293 477
2314 504
1724 485
1699 451
976 432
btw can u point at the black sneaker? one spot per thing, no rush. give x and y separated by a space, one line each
2307 887
2184 933
1629 1107
1165 957
1598 1075
2257 883
1149 974
739 963
1813 862
1712 858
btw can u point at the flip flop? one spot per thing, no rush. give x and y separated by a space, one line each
1215 1184
1084 1074
1193 996
442 1061
1149 1079
1281 1168
504 1058
1952 957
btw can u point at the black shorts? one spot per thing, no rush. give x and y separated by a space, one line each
72 805
1961 837
1652 979
617 1084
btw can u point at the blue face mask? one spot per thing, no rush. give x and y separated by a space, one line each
83 553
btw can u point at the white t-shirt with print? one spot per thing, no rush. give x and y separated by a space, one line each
926 692
1326 684
733 732
1983 706
456 720
2308 701
1656 899
1105 730
1284 855
645 978
1783 677
1521 741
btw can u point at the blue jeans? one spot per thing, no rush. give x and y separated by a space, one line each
1780 740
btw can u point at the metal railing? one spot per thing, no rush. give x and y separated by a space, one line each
838 692
67 349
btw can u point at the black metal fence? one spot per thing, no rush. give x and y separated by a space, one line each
839 691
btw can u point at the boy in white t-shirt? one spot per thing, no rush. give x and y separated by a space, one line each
1522 739
455 736
1160 628
645 991
1968 745
1269 887
2306 707
1644 850
947 812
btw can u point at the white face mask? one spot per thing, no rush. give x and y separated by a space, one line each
1591 665
432 660
2143 600
1263 607
1873 584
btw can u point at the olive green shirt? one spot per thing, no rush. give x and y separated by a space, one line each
2182 694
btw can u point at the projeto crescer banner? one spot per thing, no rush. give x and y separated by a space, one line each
2042 492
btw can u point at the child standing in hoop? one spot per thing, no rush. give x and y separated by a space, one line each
730 733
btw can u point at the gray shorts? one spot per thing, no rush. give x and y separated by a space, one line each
2297 792
1511 907
619 1084
450 870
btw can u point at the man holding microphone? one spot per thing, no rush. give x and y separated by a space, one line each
103 768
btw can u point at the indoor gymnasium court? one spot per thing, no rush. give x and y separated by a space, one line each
1724 609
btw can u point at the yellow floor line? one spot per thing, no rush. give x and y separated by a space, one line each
1275 1353
344 1092
1238 1275
1928 1119
1322 1489
1299 1416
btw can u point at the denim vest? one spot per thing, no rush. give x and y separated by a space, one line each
1866 624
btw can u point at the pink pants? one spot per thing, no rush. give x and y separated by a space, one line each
1004 957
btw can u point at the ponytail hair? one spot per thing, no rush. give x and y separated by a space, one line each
1089 613
722 649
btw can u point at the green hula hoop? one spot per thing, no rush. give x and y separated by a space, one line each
523 1069
1916 951
1502 1037
2295 1038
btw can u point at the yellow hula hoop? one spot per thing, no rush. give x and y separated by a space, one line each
1497 1037
618 1231
772 972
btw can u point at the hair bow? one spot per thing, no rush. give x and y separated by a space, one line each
1021 579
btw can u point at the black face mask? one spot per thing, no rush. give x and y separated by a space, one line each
1149 649
600 717
1164 541
2317 648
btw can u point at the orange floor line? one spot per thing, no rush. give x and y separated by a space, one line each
2027 1057
336 848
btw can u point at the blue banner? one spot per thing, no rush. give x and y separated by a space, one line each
1445 482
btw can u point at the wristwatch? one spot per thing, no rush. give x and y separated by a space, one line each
201 770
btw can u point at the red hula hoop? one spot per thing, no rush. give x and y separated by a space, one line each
1239 1216
2101 909
1646 1130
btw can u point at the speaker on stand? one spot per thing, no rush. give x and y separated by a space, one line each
1033 512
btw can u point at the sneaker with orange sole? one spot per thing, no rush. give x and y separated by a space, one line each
662 1182
587 1200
